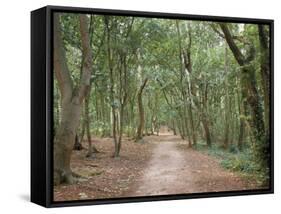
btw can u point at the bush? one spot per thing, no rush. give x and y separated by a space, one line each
234 160
233 149
241 162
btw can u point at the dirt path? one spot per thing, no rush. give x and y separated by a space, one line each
175 169
164 165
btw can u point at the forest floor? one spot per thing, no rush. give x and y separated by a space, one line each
162 165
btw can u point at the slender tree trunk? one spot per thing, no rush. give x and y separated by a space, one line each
186 70
241 134
243 112
183 130
111 77
226 103
152 128
91 148
123 97
119 144
174 127
226 133
77 145
141 111
186 126
205 117
190 114
205 123
180 129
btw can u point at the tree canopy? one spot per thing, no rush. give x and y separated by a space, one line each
128 76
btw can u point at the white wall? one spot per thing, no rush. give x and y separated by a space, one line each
15 99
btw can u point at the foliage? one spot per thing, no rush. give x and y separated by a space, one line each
195 84
234 160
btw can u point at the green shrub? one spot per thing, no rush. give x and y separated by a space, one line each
234 160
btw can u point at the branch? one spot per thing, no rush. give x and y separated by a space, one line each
217 31
84 85
235 50
60 66
238 38
163 90
143 85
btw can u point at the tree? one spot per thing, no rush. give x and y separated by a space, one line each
91 148
207 82
72 98
77 145
252 96
265 72
141 111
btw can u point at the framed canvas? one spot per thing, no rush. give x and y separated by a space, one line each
131 106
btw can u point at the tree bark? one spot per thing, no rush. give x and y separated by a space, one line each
226 103
141 111
243 112
77 145
111 78
186 70
174 128
241 133
265 73
123 95
205 123
249 85
205 117
71 100
91 148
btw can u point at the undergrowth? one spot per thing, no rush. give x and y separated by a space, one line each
234 160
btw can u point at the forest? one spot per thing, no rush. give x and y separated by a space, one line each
153 106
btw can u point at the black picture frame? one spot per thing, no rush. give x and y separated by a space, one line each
41 105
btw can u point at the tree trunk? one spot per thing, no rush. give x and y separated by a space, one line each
205 117
186 125
82 131
190 113
265 73
241 134
119 144
77 145
91 148
243 112
205 123
174 128
123 98
226 103
63 143
248 80
186 70
71 100
111 77
249 84
141 111
226 133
